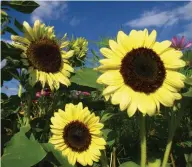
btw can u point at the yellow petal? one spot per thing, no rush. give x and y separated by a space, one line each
33 77
68 67
132 108
146 104
98 140
20 39
28 31
81 159
172 62
107 67
150 40
111 89
175 79
61 78
72 157
20 46
111 62
160 47
64 44
137 38
50 82
36 29
109 53
67 55
171 53
42 78
56 83
112 77
124 41
117 49
165 100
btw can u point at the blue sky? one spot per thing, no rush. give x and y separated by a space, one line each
95 19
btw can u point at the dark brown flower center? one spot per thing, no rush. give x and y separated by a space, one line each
143 70
45 55
77 136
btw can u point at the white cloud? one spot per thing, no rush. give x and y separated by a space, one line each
155 18
74 22
50 10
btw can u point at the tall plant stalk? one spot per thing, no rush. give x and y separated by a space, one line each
143 141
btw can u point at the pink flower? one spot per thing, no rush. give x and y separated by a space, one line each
44 93
86 93
38 94
180 44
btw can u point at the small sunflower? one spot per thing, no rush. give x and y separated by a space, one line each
80 47
43 55
77 133
140 73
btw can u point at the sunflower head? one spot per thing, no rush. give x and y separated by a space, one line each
140 73
77 134
43 55
80 47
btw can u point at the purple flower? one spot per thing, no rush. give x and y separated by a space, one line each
180 44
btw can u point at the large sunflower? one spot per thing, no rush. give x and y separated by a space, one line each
140 73
43 55
77 133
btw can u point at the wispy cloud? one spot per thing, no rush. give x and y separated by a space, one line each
155 18
50 10
74 21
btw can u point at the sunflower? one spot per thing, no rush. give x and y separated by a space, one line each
43 55
140 73
77 133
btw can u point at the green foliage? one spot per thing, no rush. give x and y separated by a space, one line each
188 158
18 25
9 105
23 6
21 151
57 154
86 77
129 164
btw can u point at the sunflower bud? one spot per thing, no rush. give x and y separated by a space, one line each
80 47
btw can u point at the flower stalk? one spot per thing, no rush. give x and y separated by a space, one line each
175 121
143 141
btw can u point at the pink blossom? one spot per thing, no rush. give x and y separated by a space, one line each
180 43
43 93
86 93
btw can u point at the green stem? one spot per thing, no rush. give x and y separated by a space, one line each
170 140
28 110
103 159
20 90
176 117
143 141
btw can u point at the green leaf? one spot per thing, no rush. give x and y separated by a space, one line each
58 155
22 152
188 80
129 164
87 77
24 6
109 136
188 93
10 30
18 25
154 163
106 117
